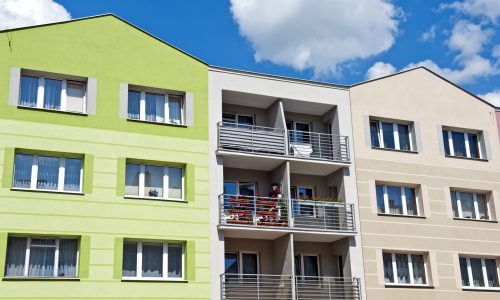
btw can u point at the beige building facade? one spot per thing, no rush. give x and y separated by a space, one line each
427 169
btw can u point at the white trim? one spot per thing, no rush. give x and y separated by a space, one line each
395 134
56 259
40 92
467 146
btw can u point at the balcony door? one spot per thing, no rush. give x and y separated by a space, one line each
300 132
242 264
307 266
301 206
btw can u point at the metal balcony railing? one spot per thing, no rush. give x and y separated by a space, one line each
323 215
314 145
262 287
275 212
253 139
281 142
282 287
327 288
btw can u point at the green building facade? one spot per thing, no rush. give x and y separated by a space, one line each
104 175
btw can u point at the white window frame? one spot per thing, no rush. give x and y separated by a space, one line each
56 257
40 99
166 112
410 268
476 206
142 181
164 277
467 146
61 174
395 134
301 256
387 209
485 277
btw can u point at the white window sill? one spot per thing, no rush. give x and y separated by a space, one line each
395 150
155 198
467 158
52 110
401 215
158 123
26 278
401 285
481 289
45 191
153 279
477 220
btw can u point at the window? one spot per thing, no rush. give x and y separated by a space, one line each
41 257
154 181
238 119
153 260
391 135
52 93
479 272
404 269
300 132
469 205
462 144
307 266
239 188
301 206
49 173
396 200
153 107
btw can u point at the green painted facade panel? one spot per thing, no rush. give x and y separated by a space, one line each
113 52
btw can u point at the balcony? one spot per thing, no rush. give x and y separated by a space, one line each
283 143
275 213
287 287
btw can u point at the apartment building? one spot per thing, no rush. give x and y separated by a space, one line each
104 164
427 170
284 213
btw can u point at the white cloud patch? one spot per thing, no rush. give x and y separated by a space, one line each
489 9
320 36
429 34
20 13
492 97
380 69
468 39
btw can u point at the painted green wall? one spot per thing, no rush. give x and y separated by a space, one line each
111 51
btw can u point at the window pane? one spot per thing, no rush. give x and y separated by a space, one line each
231 263
29 91
153 185
16 256
491 272
72 172
380 198
473 145
175 110
464 272
52 94
41 262
152 260
129 268
132 179
411 202
155 107
22 170
395 203
249 263
388 133
75 96
68 249
48 173
298 265
311 266
402 268
467 202
301 134
228 118
458 143
246 120
175 261
134 105
477 272
388 271
404 137
305 193
175 183
247 189
446 142
418 269
454 204
374 134
482 206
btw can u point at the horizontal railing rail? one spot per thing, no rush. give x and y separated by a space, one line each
315 145
262 287
313 287
323 215
253 139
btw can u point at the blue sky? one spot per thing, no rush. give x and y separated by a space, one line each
339 41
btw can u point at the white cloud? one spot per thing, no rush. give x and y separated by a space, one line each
380 69
468 39
429 34
20 13
489 9
496 52
492 97
320 36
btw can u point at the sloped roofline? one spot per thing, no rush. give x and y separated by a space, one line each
101 16
433 73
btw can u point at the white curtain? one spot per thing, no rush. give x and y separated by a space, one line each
152 260
72 174
467 203
41 262
52 94
153 181
132 179
16 256
155 107
129 268
174 110
395 203
477 272
67 257
134 105
48 173
411 201
388 272
464 272
22 170
29 91
418 269
482 206
402 268
491 272
175 261
175 183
